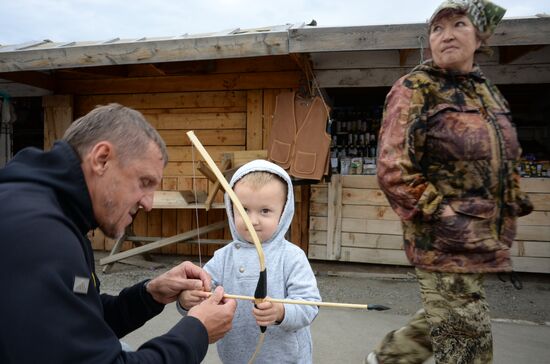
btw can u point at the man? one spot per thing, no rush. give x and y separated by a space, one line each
105 168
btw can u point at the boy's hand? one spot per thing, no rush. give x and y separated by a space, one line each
191 298
269 313
167 287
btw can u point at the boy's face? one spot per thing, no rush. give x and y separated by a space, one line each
264 205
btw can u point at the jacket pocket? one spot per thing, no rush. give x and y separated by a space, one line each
457 133
305 162
280 152
470 229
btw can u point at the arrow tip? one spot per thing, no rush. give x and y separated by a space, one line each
378 307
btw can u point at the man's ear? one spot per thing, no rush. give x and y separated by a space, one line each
100 156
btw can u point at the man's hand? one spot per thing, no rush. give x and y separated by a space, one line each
166 287
216 314
269 313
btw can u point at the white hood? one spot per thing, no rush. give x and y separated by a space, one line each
288 211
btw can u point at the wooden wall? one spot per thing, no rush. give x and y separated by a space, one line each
351 221
228 103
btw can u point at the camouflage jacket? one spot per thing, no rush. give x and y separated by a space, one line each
447 139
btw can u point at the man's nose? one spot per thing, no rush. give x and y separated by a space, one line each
147 201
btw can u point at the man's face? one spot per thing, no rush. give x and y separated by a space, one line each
125 187
264 206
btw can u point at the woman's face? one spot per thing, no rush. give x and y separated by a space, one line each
453 42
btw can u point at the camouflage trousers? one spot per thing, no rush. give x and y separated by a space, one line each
454 326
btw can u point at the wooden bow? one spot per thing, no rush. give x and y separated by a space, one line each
261 287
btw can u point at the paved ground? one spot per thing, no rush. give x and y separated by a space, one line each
521 319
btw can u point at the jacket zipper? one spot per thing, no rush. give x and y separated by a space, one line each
501 169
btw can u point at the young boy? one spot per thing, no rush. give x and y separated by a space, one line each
265 191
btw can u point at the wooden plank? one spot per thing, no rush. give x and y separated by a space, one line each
304 217
270 96
369 212
154 223
238 158
540 249
197 82
58 115
373 241
181 100
318 223
369 182
162 242
319 194
385 77
184 223
372 226
175 200
254 119
541 201
194 121
533 265
535 218
524 31
356 196
188 154
362 255
535 185
318 209
317 237
169 183
252 44
334 218
530 55
169 228
97 238
207 137
536 233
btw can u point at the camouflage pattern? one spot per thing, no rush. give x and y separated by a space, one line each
454 324
483 14
447 140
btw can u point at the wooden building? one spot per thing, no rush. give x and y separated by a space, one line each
224 87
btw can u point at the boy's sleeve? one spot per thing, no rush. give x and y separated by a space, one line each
300 285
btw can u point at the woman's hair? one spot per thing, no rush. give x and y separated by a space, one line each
125 128
259 179
450 12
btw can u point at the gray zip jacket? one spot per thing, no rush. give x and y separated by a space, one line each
289 275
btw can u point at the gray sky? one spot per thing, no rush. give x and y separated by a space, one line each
81 20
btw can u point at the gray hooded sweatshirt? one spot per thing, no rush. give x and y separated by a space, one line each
289 275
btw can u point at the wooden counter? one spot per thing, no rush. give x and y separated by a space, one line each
351 221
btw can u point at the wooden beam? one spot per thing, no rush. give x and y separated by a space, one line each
209 82
58 115
163 242
379 77
524 31
509 54
254 120
213 47
31 78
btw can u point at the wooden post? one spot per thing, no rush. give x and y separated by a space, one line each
334 223
58 115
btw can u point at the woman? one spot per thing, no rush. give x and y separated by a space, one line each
448 157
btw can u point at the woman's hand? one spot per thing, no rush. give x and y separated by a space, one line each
269 313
